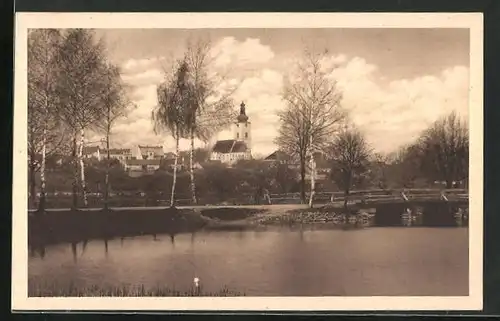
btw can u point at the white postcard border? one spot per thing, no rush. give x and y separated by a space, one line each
25 21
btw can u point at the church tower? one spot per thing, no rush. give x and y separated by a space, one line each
243 128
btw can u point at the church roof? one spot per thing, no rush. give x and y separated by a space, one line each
229 146
242 118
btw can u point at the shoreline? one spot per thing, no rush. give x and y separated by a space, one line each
74 226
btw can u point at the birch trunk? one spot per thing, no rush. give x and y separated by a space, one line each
32 181
32 172
41 204
313 173
75 172
303 180
191 169
106 179
82 168
174 180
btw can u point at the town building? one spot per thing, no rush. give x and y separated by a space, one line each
92 152
322 165
121 154
278 157
230 151
149 152
139 167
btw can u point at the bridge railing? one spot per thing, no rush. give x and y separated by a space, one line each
355 196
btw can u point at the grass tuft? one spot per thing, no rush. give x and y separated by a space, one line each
73 290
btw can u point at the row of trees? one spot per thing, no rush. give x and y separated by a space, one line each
192 104
314 121
72 88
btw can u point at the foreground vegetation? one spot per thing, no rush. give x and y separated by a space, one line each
38 289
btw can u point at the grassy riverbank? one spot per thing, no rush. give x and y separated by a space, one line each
72 290
73 226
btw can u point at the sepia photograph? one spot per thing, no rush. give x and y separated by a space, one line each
268 159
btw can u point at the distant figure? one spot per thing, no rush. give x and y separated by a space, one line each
197 288
267 197
258 195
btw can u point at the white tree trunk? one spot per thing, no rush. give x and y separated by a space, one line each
42 168
106 179
174 180
74 156
191 170
312 173
82 168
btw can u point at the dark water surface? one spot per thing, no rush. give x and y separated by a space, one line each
365 262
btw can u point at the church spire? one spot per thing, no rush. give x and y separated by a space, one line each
242 117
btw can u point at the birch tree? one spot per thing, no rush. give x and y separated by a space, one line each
45 134
311 115
174 97
81 86
212 108
116 105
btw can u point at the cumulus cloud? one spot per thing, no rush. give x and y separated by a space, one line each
140 63
402 108
390 112
146 77
230 51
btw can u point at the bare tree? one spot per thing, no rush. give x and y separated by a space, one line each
116 105
445 150
378 171
45 133
175 95
212 109
350 155
312 113
81 86
404 166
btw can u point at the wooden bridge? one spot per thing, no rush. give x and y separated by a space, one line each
380 196
422 206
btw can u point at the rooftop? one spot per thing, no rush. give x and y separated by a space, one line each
90 149
229 146
117 151
278 156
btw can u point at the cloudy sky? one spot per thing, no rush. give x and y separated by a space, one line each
395 82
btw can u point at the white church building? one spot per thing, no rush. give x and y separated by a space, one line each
230 151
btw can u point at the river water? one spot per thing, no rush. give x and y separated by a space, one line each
374 261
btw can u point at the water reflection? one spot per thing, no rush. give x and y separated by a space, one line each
84 246
74 251
278 261
106 247
38 250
